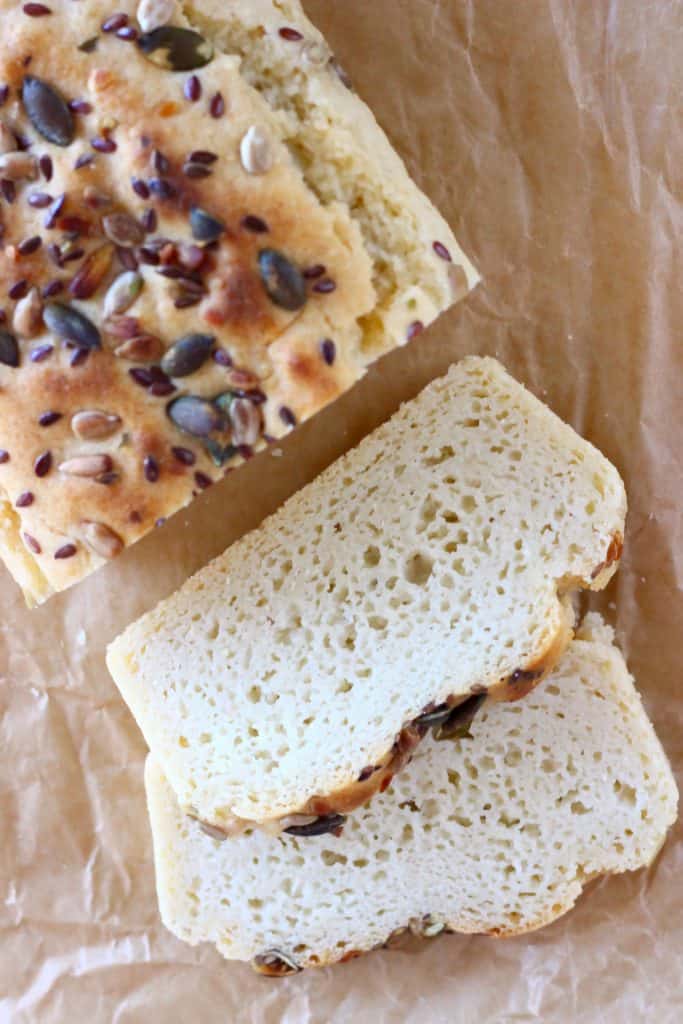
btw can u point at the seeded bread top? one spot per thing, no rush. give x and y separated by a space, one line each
177 289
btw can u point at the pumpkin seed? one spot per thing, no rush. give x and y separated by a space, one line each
48 111
9 349
204 227
92 273
284 283
92 424
122 293
123 230
196 416
457 725
102 539
274 964
143 348
176 49
320 827
68 323
187 355
220 454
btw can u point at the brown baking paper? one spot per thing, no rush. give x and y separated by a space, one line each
549 132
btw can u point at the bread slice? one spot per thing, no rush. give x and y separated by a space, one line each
496 833
429 564
224 184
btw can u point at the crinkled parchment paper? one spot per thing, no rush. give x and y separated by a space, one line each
549 131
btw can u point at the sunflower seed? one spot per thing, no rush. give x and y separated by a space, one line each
212 832
48 112
123 230
18 166
457 725
283 282
274 964
144 348
68 323
101 539
92 273
256 151
94 425
205 228
87 465
28 314
246 421
122 293
187 355
320 827
153 14
196 416
9 349
176 49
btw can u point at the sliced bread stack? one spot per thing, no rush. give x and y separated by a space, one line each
347 730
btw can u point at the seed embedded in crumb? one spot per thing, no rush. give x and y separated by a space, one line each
151 469
34 10
192 89
25 499
203 481
184 456
217 106
325 286
43 464
140 188
292 35
48 418
103 144
41 352
46 166
93 424
287 416
254 224
417 327
32 544
4 455
66 551
87 466
114 22
256 152
442 252
328 351
102 539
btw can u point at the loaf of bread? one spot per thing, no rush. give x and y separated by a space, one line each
206 238
494 833
296 673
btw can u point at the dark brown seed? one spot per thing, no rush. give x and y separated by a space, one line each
66 551
54 212
187 355
39 200
256 396
9 349
191 256
30 245
162 388
52 288
4 455
204 227
161 163
254 224
202 156
46 167
80 107
68 323
127 33
196 416
149 256
441 251
90 45
328 351
79 357
36 10
217 106
85 160
184 456
103 144
202 481
457 724
287 416
176 49
32 544
151 469
40 353
127 258
74 225
141 376
320 827
107 478
324 286
73 255
193 89
292 35
222 357
196 171
25 499
8 189
47 111
18 290
114 22
48 418
142 348
43 464
162 188
4 94
140 188
187 301
282 281
149 221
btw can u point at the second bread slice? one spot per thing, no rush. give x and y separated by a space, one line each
427 565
